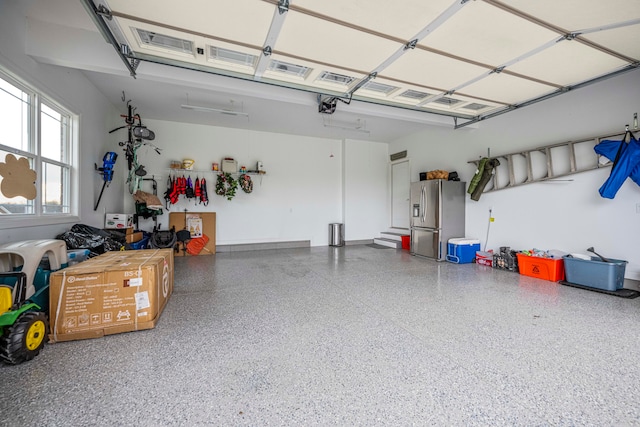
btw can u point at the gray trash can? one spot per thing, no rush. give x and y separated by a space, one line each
336 234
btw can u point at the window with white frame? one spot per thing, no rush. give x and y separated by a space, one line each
36 128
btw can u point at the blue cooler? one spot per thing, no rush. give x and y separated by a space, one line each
462 250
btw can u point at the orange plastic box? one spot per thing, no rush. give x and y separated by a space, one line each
541 268
406 242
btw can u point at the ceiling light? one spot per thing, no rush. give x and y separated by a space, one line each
348 129
359 126
214 110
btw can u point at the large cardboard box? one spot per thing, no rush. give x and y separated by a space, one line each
116 292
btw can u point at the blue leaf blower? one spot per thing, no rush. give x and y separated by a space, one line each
108 163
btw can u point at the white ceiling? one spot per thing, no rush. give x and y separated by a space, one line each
275 110
455 62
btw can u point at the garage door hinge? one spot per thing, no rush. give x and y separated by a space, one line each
104 12
283 6
411 45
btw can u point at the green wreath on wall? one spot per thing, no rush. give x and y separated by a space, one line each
226 186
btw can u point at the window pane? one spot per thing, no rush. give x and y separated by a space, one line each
14 116
38 128
53 131
13 205
55 181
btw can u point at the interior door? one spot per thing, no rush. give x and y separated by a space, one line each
400 194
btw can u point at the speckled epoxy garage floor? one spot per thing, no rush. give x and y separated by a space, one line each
351 336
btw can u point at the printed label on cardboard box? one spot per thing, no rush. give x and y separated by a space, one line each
133 282
142 301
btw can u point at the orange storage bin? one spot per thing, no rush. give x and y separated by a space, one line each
541 268
406 242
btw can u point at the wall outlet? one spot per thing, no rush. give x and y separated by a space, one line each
638 208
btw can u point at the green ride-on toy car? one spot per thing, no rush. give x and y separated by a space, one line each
24 296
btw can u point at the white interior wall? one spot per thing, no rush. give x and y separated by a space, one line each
366 181
73 90
565 215
298 197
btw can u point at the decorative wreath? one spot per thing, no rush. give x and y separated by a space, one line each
226 186
245 183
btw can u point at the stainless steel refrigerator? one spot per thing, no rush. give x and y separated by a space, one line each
437 215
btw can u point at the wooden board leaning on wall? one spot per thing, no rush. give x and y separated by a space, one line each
191 221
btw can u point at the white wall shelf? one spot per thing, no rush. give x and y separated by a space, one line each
213 172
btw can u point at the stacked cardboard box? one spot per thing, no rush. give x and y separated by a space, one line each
115 292
133 236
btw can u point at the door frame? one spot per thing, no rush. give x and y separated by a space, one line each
391 165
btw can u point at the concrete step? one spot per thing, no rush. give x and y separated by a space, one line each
388 242
393 235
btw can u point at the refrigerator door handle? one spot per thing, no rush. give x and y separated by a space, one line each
423 202
420 211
